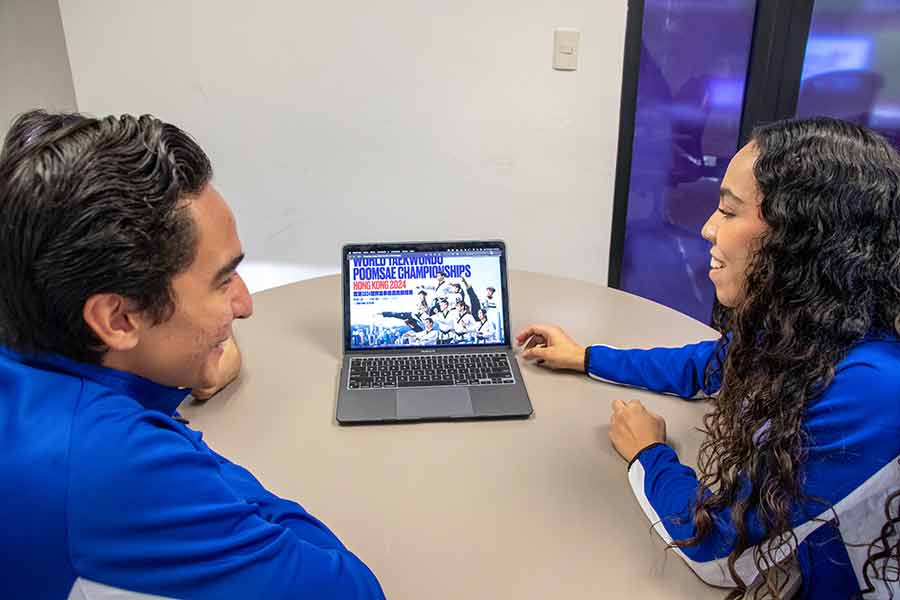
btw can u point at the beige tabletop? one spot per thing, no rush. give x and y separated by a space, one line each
520 509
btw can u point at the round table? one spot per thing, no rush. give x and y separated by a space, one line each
534 508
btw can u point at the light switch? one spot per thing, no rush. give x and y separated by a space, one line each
565 49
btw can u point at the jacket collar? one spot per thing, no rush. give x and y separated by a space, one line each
151 395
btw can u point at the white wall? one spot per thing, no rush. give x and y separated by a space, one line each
340 121
34 68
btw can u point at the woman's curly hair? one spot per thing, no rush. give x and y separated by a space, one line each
826 274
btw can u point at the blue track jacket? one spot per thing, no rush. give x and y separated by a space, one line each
104 493
854 447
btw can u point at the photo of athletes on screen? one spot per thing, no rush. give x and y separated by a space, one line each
459 303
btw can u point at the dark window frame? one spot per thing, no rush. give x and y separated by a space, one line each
777 49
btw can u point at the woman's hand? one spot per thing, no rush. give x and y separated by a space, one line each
633 428
550 346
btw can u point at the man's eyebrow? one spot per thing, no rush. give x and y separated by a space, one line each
727 192
228 269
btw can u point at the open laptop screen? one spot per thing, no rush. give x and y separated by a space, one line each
406 297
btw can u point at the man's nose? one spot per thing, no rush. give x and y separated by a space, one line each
243 302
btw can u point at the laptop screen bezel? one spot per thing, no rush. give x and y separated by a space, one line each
423 247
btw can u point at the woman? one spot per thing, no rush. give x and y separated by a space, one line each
802 445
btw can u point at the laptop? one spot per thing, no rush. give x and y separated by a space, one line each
426 334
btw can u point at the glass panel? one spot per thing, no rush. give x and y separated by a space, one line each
852 65
693 67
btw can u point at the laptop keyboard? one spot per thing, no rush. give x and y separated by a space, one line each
430 370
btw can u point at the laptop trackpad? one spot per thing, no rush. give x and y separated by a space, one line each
424 403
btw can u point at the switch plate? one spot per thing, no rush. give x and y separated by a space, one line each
565 49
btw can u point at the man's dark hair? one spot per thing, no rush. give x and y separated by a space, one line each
91 206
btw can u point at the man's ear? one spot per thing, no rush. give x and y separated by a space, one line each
114 320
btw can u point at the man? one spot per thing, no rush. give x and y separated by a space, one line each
455 296
489 302
485 331
426 337
493 307
444 319
118 288
414 319
464 325
421 307
473 296
440 289
229 367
